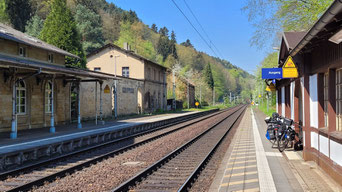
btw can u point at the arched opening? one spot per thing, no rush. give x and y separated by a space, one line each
21 97
140 101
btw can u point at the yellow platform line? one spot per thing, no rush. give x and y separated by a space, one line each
244 157
241 167
237 162
241 174
249 190
239 182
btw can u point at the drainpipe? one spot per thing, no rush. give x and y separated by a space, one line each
95 102
101 101
14 123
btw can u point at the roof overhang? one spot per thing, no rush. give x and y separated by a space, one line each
52 69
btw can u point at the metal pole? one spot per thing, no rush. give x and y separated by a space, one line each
174 88
13 134
213 95
79 124
230 97
188 95
52 120
115 91
201 94
267 101
101 113
95 102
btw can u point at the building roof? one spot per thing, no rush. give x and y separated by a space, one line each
111 45
11 34
26 63
293 38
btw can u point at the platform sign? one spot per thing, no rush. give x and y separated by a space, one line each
290 69
270 88
197 103
271 73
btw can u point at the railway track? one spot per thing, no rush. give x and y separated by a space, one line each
37 174
180 168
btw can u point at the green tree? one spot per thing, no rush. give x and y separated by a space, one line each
3 13
60 30
34 26
89 25
164 32
272 16
19 12
208 75
154 28
130 16
172 46
187 43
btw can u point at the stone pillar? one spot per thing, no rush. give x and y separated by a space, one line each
13 133
52 120
79 124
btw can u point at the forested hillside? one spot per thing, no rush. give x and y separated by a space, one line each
81 26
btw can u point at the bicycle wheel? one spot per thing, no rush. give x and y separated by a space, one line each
282 142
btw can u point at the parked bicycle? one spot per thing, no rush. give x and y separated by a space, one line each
281 130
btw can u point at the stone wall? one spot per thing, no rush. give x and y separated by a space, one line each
129 98
35 115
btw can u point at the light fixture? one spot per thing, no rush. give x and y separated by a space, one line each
337 37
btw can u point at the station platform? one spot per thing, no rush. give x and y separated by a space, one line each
252 164
34 144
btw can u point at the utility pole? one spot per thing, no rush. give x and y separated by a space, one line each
188 94
267 101
115 87
213 95
230 97
174 88
201 94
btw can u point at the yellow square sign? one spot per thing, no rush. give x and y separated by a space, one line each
290 73
290 69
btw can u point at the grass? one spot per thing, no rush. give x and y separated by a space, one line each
263 107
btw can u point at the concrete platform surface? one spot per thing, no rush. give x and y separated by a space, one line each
253 164
41 136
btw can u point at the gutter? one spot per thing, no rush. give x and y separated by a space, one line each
329 14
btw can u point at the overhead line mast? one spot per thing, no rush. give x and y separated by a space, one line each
194 27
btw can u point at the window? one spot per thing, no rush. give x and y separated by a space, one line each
326 98
97 68
22 51
339 100
48 97
50 58
125 71
21 97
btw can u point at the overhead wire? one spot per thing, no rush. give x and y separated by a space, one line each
194 27
211 42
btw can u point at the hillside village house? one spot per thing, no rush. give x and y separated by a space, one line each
37 89
142 84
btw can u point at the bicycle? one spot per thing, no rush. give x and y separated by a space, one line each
287 135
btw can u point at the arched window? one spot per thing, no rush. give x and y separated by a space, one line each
21 97
48 96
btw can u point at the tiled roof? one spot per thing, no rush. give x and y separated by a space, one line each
293 38
11 34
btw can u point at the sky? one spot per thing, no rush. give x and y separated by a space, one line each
223 20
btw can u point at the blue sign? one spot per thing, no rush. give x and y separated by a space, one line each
272 73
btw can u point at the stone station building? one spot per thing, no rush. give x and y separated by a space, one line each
37 89
141 87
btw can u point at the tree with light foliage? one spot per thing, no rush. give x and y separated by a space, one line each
271 17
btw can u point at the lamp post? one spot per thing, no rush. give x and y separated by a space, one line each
115 86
